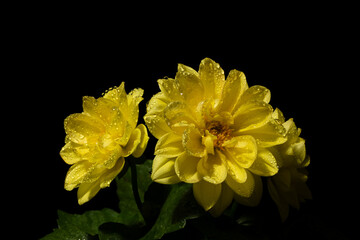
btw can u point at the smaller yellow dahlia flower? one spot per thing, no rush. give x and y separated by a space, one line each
288 186
213 133
98 139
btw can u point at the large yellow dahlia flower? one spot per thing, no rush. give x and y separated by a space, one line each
288 186
99 138
213 133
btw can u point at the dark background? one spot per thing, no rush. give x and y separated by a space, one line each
308 63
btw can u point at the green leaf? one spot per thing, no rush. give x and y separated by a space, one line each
66 234
172 216
175 208
117 231
128 208
81 226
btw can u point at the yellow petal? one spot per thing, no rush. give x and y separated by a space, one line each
212 77
303 191
282 180
101 108
224 201
306 162
242 150
288 188
90 105
77 173
120 129
234 87
190 85
278 115
186 168
127 131
87 191
163 170
118 96
171 89
157 104
133 142
82 128
244 189
169 145
206 194
156 125
255 197
192 142
72 152
208 142
237 172
298 150
134 98
256 93
213 168
282 206
271 134
252 115
110 174
111 156
122 102
273 191
265 163
143 141
154 118
178 117
291 198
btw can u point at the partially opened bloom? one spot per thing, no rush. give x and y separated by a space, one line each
215 134
98 139
288 186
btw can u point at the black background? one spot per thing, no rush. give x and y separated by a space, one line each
308 63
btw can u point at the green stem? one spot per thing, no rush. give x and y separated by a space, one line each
134 185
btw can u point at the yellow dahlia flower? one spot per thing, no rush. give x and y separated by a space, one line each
98 139
288 186
213 133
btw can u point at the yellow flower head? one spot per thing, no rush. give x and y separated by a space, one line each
213 133
288 186
98 139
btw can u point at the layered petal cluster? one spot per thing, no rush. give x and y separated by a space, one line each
98 139
214 133
288 187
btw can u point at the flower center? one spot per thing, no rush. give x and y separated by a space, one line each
222 133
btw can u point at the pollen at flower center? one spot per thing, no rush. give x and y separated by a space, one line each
221 131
